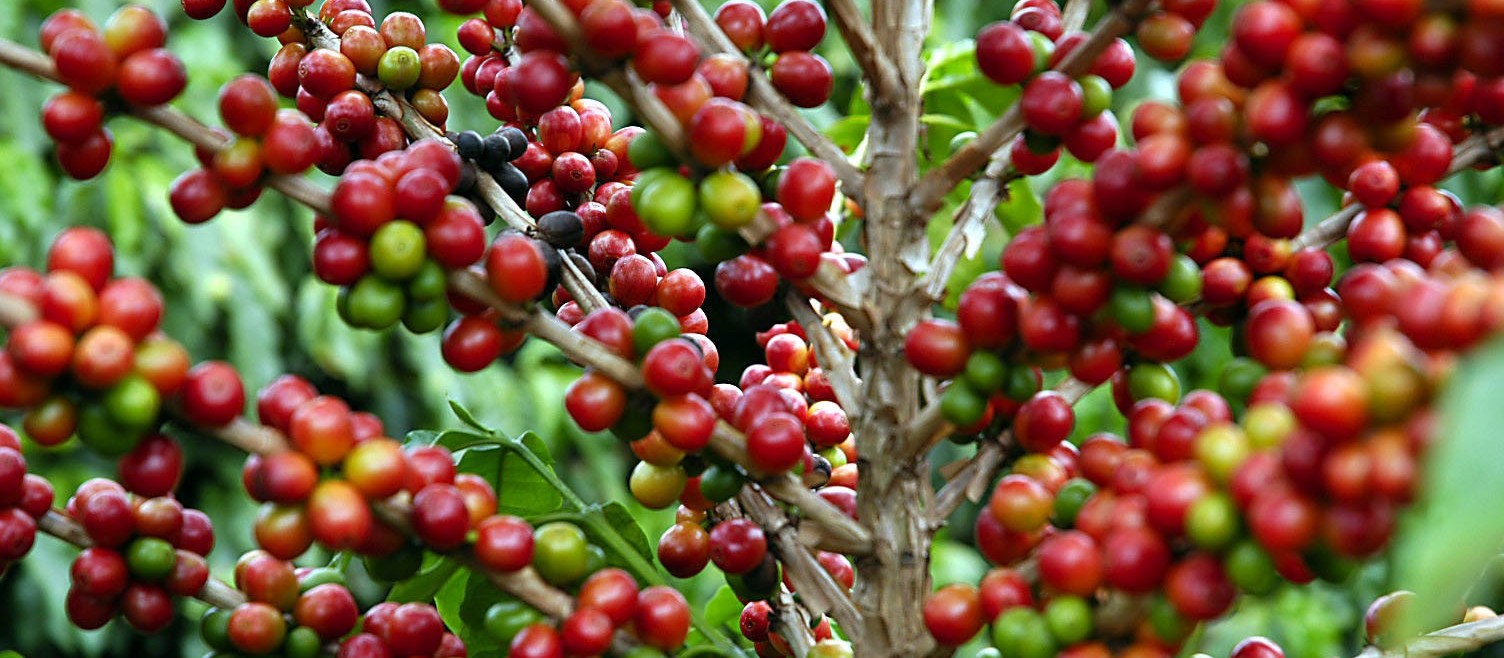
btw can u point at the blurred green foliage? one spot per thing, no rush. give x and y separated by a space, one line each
239 289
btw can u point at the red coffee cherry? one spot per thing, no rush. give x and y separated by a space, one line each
71 116
1052 103
338 516
84 61
586 632
803 77
257 628
1020 503
743 22
684 549
665 58
213 395
1043 422
328 609
737 546
517 269
440 517
613 592
321 429
1005 54
953 614
151 77
99 572
662 619
775 442
937 348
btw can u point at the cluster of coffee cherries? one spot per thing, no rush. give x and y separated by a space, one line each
266 141
298 612
92 362
1057 109
755 624
1193 507
300 508
24 498
607 601
790 32
143 552
394 231
333 83
394 57
120 67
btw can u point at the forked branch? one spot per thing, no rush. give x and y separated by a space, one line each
972 481
932 189
762 96
1477 149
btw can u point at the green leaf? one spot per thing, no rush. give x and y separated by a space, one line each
1452 537
945 121
724 608
457 440
849 131
621 521
466 417
462 604
423 438
422 587
520 488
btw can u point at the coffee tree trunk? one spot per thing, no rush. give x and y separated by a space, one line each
894 492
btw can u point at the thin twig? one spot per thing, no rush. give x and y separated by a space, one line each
1459 639
762 96
58 524
416 127
971 482
832 530
817 589
1073 16
932 189
970 227
860 40
1477 149
837 362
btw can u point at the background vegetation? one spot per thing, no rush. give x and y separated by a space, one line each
240 289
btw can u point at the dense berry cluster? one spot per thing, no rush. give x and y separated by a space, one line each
145 551
1293 470
24 498
120 68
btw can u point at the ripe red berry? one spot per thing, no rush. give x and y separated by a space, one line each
953 614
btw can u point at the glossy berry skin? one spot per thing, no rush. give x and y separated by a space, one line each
213 394
516 269
1043 422
953 614
937 348
684 549
662 618
737 546
805 78
1052 103
1257 647
613 592
328 609
440 517
586 632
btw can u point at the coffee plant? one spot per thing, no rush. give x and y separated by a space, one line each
939 282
